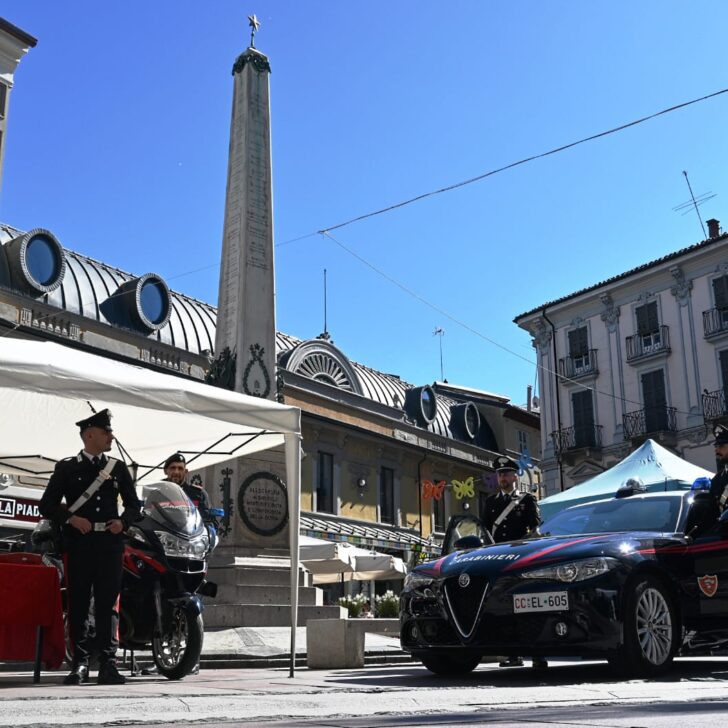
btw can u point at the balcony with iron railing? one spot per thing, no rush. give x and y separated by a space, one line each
715 405
715 322
641 346
649 421
576 366
569 439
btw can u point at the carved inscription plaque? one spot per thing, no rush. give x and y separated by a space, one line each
263 503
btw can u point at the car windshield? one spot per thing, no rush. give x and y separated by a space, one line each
659 514
167 504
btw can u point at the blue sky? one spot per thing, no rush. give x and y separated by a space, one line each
118 138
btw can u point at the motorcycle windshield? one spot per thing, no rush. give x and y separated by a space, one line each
167 504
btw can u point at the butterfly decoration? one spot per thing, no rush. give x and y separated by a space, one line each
524 462
433 490
464 488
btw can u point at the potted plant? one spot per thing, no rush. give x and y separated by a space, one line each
387 605
354 604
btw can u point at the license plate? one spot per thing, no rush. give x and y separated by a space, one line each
542 602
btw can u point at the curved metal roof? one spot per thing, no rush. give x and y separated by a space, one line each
387 389
88 284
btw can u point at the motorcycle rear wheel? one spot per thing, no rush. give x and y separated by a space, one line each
177 652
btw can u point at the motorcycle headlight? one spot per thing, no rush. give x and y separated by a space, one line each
413 580
572 571
195 548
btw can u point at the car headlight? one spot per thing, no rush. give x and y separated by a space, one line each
195 548
572 571
413 580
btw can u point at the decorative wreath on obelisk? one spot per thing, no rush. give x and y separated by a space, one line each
256 352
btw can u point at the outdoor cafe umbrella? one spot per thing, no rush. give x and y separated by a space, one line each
364 565
326 557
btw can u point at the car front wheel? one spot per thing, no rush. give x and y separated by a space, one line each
450 665
651 630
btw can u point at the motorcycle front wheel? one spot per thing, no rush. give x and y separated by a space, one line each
177 652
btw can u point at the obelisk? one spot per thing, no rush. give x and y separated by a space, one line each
246 301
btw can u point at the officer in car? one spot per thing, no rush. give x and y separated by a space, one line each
719 483
510 515
175 468
91 484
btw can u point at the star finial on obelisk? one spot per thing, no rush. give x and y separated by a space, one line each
254 24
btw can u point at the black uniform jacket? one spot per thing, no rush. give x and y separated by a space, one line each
523 518
719 483
71 477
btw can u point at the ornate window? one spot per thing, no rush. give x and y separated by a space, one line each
323 362
143 303
36 261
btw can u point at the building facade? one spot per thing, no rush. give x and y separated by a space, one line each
643 354
385 463
14 44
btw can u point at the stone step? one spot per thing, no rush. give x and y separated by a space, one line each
227 662
266 594
239 559
256 575
265 615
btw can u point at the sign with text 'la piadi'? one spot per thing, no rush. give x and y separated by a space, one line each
19 509
263 503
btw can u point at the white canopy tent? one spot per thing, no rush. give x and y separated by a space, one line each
46 387
654 465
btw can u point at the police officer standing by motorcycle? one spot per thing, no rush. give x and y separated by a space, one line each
90 484
175 468
510 515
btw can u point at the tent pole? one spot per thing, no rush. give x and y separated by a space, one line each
293 480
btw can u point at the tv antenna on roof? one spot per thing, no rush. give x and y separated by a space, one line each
693 203
439 331
325 335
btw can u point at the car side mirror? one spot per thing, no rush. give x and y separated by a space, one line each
702 516
723 524
468 542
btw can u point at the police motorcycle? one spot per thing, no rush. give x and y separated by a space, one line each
164 580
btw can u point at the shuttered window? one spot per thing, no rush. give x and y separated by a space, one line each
724 369
583 408
647 322
578 342
655 399
720 292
